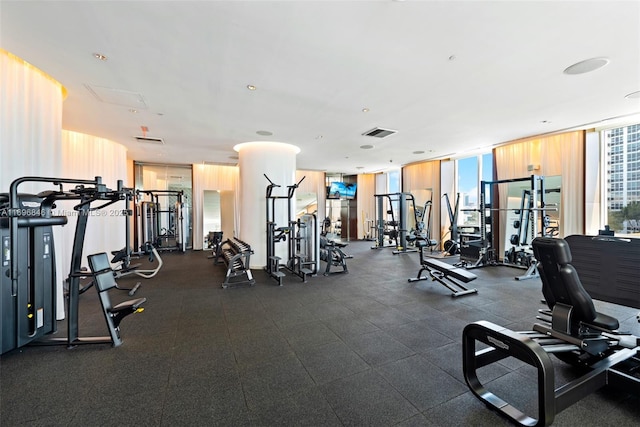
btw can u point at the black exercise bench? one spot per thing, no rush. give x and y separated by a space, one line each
236 255
448 275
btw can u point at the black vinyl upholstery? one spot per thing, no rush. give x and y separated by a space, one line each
561 284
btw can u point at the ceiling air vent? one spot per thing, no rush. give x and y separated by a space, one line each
150 140
379 132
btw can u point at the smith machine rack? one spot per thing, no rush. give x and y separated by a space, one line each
479 250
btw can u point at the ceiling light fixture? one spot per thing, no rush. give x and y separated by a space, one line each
586 66
418 152
545 121
366 147
100 56
251 87
133 110
365 110
264 133
633 95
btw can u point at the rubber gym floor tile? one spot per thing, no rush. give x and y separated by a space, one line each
367 399
203 367
263 344
331 361
308 335
329 310
377 348
418 336
201 405
418 310
292 317
387 318
421 382
447 325
275 380
143 409
350 325
305 408
464 410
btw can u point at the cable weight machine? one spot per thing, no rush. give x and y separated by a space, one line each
167 229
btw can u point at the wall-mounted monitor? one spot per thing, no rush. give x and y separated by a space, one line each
341 190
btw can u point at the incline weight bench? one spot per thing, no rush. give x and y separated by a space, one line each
571 330
448 275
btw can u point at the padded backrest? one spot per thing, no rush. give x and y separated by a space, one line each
560 281
103 274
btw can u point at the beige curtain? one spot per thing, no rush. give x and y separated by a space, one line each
30 123
212 177
85 157
423 176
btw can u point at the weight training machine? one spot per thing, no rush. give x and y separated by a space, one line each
301 235
167 229
571 330
396 228
28 280
124 256
332 254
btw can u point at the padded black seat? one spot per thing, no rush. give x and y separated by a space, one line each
104 281
561 284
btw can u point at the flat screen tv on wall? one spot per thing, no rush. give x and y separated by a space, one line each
341 190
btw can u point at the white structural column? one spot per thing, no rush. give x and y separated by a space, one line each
257 159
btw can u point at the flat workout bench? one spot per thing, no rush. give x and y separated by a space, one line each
447 274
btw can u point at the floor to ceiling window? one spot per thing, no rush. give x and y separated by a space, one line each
622 184
471 171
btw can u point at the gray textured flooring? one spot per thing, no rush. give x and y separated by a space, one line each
366 348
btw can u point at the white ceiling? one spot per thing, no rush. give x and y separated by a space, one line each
450 76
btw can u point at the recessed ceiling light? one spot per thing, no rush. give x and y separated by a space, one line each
264 133
100 56
319 137
545 121
366 147
251 87
633 95
133 110
365 110
418 152
452 58
586 66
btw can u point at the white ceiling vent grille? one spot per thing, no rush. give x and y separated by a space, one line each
379 132
150 140
117 96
